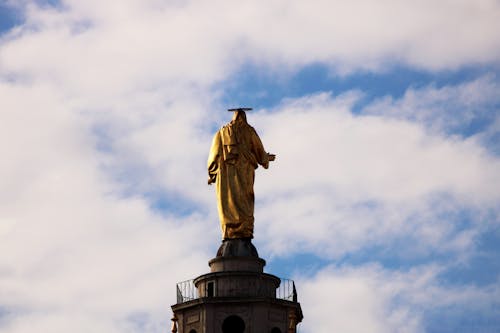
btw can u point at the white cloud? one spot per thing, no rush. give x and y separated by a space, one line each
469 109
367 180
150 43
72 246
449 109
372 299
81 247
366 154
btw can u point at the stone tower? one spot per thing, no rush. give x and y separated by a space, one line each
236 296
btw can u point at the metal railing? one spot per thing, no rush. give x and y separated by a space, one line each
287 290
186 291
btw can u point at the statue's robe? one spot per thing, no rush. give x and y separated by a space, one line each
235 154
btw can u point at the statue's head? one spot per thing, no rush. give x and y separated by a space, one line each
239 116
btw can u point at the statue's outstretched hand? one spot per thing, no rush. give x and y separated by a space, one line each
272 157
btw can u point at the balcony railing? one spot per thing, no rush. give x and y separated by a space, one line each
186 291
287 290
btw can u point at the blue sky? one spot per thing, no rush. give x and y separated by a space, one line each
383 203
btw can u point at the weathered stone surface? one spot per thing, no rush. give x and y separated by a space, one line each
237 292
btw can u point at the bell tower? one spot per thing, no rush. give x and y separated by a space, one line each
236 296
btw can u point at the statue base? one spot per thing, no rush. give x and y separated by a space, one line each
237 247
237 254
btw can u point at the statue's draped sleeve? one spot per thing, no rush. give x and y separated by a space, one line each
258 150
213 158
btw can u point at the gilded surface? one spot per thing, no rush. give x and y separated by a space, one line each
235 154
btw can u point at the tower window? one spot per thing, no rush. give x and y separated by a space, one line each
233 324
211 289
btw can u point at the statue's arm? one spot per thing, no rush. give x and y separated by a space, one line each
214 158
263 157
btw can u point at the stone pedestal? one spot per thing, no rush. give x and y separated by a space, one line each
236 296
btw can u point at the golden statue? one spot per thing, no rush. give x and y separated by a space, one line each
235 154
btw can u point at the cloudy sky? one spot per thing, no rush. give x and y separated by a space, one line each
384 201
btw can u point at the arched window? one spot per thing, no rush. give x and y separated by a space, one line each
233 324
192 331
275 330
